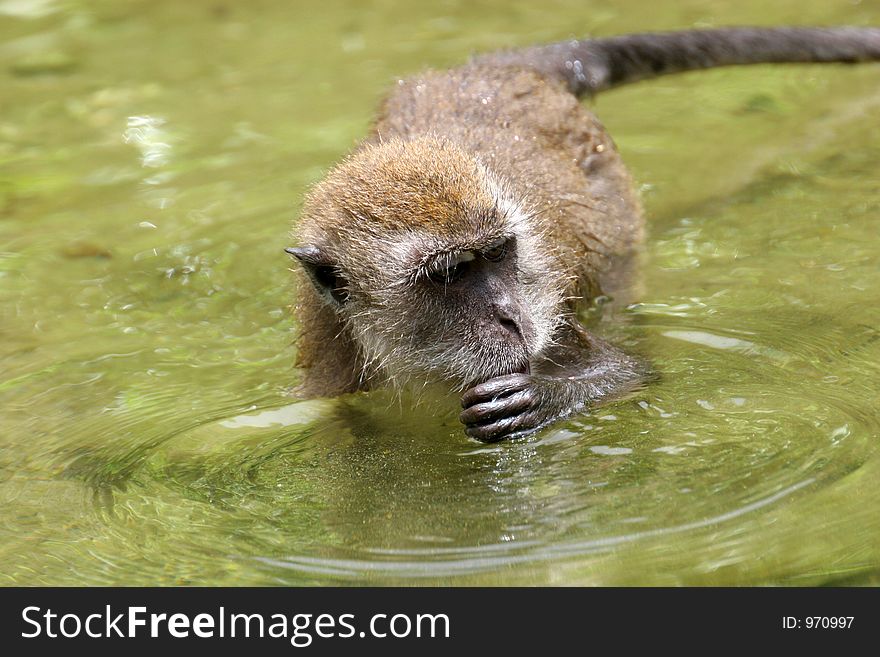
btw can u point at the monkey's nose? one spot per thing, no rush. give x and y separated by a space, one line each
508 318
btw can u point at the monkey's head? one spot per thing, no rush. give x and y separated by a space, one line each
430 264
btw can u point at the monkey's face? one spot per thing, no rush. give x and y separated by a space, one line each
420 309
463 316
433 268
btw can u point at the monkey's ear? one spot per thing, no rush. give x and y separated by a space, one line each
323 272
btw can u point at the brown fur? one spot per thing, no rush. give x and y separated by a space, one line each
457 241
534 133
527 130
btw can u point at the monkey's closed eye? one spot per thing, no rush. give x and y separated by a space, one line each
450 268
496 252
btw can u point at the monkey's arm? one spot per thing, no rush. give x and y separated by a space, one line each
578 372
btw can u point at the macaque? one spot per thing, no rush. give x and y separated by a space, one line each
458 241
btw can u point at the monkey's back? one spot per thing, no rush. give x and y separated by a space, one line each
551 152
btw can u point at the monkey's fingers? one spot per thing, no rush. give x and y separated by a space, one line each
500 386
496 409
507 427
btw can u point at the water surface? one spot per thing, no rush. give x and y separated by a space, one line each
152 158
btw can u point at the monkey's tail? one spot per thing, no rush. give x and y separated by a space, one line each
594 65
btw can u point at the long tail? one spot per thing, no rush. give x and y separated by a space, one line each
594 65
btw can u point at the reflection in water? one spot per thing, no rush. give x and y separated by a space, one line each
458 561
146 133
147 433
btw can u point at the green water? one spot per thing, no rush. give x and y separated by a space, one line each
152 158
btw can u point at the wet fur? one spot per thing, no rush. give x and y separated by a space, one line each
499 148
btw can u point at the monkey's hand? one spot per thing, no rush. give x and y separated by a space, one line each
515 405
509 406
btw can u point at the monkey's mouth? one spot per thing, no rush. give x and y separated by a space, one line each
521 367
519 363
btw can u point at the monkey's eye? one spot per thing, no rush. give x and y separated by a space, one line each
450 267
496 251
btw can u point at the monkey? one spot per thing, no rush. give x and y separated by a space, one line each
459 240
